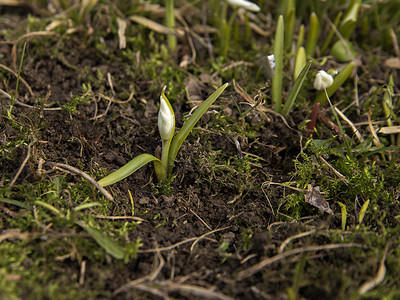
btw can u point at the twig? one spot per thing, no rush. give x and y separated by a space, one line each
84 175
28 155
270 260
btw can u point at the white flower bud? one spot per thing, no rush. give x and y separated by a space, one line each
322 80
166 118
245 4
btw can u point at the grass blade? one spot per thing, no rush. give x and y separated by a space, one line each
313 34
295 90
278 53
111 247
190 123
133 166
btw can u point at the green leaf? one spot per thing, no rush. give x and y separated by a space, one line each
344 215
87 205
295 90
16 203
48 206
313 34
277 78
190 123
111 247
133 166
343 53
300 62
349 21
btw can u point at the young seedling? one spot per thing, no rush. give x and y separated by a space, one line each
170 22
226 26
298 83
278 73
170 144
313 34
278 54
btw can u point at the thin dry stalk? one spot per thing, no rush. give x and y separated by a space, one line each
20 78
82 273
120 218
355 130
292 238
204 235
201 220
64 167
339 175
270 260
149 277
377 142
378 279
193 291
28 155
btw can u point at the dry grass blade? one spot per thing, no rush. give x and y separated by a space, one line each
28 155
390 130
13 2
120 218
270 260
20 78
121 33
290 239
195 239
378 279
149 277
15 234
64 167
194 291
339 175
377 142
355 130
157 27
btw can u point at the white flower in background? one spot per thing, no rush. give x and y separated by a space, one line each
166 118
322 80
271 60
245 4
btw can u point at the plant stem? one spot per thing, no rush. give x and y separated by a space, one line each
165 152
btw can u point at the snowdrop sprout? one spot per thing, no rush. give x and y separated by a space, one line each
322 80
166 119
245 4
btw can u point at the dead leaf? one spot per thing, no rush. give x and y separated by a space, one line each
313 196
393 62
